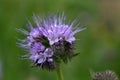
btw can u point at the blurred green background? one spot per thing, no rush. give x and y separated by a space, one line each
99 44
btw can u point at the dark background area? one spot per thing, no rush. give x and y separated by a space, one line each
99 44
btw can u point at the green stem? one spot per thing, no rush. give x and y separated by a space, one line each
59 74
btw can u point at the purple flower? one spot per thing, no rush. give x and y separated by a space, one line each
50 41
37 47
36 32
38 58
50 60
56 31
41 57
48 52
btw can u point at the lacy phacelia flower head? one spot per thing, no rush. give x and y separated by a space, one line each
50 42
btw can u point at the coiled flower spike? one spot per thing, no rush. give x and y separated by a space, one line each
106 75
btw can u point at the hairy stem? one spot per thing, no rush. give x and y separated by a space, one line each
59 74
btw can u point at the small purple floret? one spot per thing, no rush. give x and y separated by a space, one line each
37 47
50 60
48 52
41 59
35 32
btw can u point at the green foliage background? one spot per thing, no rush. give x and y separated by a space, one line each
99 44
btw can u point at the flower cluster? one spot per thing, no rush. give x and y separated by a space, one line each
106 75
50 41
